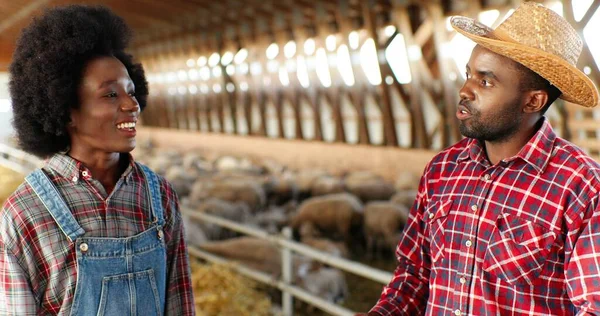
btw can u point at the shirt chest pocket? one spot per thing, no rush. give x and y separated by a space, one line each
517 249
436 218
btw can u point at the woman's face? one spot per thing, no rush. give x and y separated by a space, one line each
108 111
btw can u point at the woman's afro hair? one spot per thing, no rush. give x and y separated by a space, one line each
47 66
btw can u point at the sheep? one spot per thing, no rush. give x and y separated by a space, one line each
305 180
263 256
337 214
271 220
406 181
337 249
181 179
250 193
281 188
368 186
237 212
312 237
383 222
326 283
327 185
405 198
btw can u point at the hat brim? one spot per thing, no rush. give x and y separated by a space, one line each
574 85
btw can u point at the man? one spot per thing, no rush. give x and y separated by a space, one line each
506 221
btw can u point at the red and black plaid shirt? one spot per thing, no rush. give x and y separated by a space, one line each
38 267
521 237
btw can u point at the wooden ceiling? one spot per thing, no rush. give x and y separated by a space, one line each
157 20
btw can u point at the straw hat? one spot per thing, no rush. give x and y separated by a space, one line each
540 40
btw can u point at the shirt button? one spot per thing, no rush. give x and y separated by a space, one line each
474 208
160 234
468 243
75 179
457 312
85 173
462 280
430 215
83 247
486 177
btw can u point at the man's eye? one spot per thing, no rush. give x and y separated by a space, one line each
111 95
467 75
485 83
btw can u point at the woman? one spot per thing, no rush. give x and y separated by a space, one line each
93 232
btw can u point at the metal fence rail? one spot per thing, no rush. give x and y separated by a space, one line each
288 245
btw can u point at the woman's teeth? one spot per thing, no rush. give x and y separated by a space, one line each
129 125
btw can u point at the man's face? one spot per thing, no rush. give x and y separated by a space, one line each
491 106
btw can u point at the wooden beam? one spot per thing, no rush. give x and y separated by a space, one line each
451 133
23 13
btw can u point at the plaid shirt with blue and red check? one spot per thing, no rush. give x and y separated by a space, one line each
38 265
521 237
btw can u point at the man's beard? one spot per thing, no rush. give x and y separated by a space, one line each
497 129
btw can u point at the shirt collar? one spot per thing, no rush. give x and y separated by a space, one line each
73 170
536 152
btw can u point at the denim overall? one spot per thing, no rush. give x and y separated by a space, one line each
115 276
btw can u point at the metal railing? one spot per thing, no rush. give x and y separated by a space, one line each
18 160
287 245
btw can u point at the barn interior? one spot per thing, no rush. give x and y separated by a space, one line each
260 109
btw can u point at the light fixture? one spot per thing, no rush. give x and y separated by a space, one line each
272 51
309 46
284 77
227 58
240 56
330 43
370 62
289 50
353 39
345 65
213 60
323 68
303 72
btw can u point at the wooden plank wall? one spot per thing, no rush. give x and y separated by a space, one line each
336 158
250 98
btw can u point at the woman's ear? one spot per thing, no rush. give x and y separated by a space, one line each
536 100
73 120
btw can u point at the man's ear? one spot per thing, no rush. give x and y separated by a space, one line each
536 100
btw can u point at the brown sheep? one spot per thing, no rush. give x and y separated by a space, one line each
181 179
250 193
281 188
405 198
327 185
407 181
335 214
237 212
337 249
383 222
368 186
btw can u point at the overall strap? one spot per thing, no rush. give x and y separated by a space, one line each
155 196
55 204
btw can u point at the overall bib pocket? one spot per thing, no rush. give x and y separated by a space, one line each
121 293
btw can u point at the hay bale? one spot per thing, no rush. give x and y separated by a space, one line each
9 182
218 290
